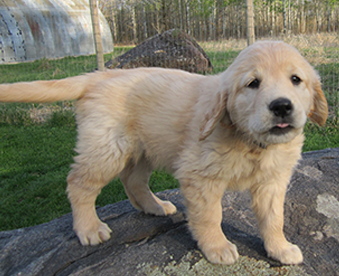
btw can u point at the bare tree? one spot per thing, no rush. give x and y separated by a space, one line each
284 16
328 16
217 19
188 18
134 25
289 15
143 15
250 22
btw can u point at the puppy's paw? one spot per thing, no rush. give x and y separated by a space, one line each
222 253
93 234
169 208
289 254
160 208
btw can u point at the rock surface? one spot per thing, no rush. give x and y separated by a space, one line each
148 245
171 49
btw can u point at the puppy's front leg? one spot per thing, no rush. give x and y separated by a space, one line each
204 211
268 205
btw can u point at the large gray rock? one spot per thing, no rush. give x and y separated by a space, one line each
170 49
148 245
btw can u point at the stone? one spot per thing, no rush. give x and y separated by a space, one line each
170 49
148 245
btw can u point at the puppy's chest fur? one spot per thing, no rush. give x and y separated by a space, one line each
239 167
243 169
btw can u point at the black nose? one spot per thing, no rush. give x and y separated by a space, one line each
281 107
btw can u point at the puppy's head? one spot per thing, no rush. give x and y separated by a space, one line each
267 94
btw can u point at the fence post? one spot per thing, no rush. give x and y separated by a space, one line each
97 35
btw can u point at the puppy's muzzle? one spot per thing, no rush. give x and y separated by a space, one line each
281 108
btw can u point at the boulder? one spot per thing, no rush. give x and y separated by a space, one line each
148 245
170 49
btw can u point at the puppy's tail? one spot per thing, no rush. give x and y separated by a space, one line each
46 91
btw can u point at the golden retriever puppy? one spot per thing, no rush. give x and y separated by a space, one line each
241 129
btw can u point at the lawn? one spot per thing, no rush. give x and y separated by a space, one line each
37 141
45 69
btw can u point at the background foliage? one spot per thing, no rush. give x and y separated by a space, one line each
132 21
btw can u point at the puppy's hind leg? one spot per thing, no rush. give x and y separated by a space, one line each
135 177
82 194
100 159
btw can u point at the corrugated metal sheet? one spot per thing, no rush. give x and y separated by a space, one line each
33 29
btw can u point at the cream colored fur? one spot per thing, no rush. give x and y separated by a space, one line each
212 132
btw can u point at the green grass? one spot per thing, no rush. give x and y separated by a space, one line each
37 141
35 161
221 59
317 138
45 69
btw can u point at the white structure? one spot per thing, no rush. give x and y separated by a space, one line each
34 29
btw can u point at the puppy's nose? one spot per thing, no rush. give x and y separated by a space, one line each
281 107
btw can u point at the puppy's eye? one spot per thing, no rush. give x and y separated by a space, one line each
254 84
295 80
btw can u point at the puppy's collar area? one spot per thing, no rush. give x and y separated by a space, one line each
250 141
260 145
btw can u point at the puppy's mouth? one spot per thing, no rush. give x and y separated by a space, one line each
281 129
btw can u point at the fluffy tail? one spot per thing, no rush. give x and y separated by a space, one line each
46 91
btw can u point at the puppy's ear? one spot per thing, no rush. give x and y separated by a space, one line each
215 111
319 110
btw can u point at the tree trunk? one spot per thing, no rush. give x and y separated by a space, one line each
238 23
297 14
135 38
201 25
180 15
268 19
223 24
188 20
284 16
328 16
144 20
289 16
97 35
302 20
273 20
164 22
114 14
156 15
249 22
213 21
113 24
